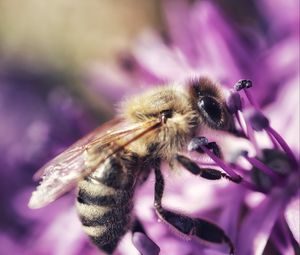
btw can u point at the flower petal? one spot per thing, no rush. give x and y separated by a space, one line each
257 226
292 216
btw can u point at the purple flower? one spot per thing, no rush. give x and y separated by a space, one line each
201 41
260 215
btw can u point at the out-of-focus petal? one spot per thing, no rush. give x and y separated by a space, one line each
65 231
230 214
280 237
284 16
217 43
9 245
257 226
109 87
284 114
164 62
292 216
177 15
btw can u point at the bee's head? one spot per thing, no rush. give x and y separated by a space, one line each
209 102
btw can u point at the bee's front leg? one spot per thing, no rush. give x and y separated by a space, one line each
186 225
201 145
207 173
196 143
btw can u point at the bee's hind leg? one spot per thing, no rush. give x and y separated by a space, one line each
186 225
141 240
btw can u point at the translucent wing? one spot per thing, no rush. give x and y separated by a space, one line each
63 172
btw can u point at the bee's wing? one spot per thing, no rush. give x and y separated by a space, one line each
63 172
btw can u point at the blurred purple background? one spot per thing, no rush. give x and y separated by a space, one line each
53 90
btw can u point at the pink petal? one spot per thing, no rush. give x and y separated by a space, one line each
292 216
257 226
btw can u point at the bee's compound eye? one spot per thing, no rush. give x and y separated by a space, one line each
211 110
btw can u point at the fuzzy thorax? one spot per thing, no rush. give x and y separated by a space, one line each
174 134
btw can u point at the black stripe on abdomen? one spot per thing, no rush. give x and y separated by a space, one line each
104 200
119 198
105 213
116 173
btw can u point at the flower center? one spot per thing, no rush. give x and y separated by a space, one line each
276 160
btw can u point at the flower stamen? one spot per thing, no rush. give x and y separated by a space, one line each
201 145
261 166
241 121
251 186
252 139
235 177
283 145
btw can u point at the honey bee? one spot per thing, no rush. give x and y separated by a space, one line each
112 161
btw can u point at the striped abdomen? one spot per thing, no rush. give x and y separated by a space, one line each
104 201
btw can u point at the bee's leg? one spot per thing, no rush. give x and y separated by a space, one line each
196 143
201 145
186 225
215 149
207 173
137 226
141 240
